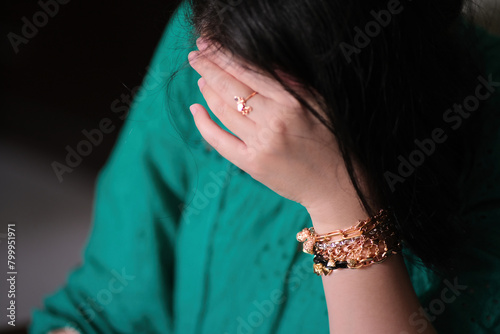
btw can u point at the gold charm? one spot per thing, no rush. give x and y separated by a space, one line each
321 270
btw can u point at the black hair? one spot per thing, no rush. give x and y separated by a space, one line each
385 73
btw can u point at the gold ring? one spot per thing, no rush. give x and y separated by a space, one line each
240 103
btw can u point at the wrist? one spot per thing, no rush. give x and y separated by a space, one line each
338 214
339 207
369 241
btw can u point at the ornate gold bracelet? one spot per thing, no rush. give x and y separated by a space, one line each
368 242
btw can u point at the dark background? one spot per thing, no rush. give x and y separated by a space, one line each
62 81
65 78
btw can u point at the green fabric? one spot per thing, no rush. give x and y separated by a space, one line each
185 242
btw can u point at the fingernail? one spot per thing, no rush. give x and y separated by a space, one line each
192 55
201 83
193 109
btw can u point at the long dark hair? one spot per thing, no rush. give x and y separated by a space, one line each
385 72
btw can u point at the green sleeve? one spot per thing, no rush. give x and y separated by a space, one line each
125 283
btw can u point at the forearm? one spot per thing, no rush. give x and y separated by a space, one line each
375 299
378 298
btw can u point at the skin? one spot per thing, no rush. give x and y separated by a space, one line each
279 135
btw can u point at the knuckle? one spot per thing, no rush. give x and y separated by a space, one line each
293 103
278 125
265 137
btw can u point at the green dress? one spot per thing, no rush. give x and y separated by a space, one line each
183 241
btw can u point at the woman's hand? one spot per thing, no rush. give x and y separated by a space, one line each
278 143
287 149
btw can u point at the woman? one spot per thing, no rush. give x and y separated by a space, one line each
319 112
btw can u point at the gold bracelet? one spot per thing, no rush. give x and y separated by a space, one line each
370 241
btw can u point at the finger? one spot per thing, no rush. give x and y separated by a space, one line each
227 86
265 85
229 146
240 125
